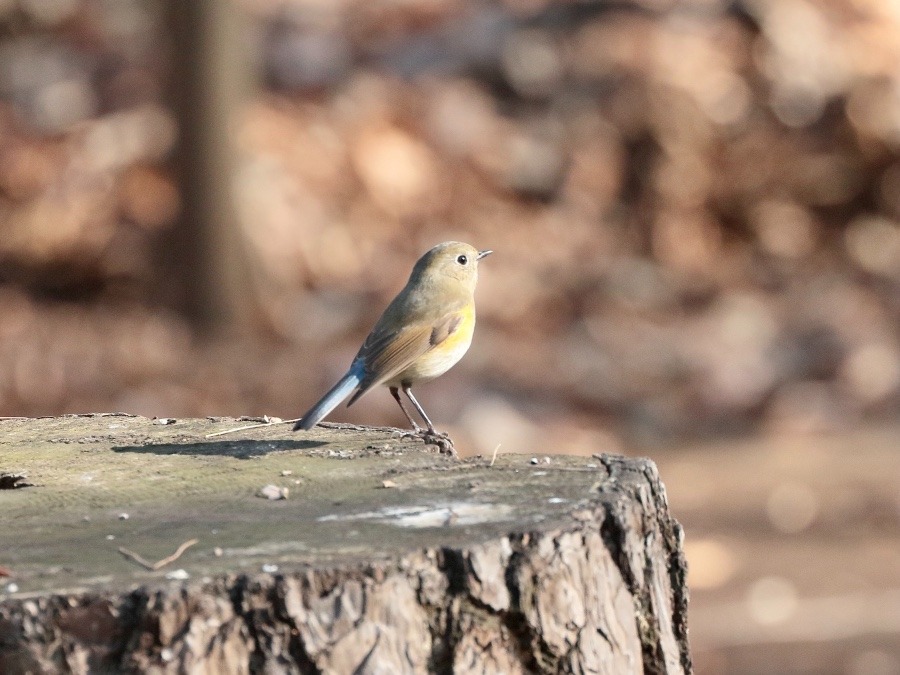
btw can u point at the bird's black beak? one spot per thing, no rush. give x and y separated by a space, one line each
483 254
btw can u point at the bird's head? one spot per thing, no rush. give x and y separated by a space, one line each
452 262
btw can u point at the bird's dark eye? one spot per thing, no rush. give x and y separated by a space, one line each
462 260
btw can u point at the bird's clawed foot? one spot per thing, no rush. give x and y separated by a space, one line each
439 438
431 437
415 432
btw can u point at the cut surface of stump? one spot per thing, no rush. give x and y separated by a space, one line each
340 550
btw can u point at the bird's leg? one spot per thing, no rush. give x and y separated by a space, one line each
431 437
408 391
396 394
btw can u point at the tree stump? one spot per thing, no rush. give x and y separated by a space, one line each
342 550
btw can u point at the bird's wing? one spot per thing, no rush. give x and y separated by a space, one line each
385 354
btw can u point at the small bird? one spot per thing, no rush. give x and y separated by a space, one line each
425 330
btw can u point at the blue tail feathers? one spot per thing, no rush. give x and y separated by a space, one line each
332 399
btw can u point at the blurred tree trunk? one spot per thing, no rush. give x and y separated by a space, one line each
204 270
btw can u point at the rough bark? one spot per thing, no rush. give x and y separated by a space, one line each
574 566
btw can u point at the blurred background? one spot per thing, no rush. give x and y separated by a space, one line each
695 209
